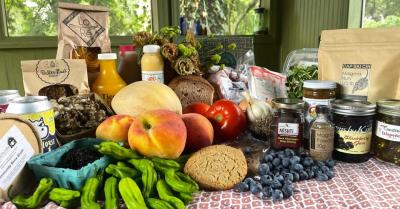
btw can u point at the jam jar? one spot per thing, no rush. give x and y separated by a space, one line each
386 144
353 121
288 123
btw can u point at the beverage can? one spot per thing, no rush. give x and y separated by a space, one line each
39 111
5 97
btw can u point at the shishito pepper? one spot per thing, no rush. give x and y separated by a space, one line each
178 184
89 193
66 198
159 204
186 197
33 201
121 171
188 179
116 151
166 194
149 174
131 194
111 193
163 164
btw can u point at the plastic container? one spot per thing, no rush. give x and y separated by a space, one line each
152 64
43 165
128 64
305 56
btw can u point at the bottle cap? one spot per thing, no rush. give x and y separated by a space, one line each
316 84
126 48
151 48
107 56
322 109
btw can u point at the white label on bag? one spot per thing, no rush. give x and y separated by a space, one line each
288 129
388 131
15 151
153 76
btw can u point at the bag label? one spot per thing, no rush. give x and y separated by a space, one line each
157 76
388 131
355 80
52 71
15 151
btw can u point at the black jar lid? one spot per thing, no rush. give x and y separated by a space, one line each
389 107
353 107
287 103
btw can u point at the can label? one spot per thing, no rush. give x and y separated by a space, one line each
44 124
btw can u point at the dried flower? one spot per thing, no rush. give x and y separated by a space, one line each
170 51
185 66
190 39
196 61
142 38
159 40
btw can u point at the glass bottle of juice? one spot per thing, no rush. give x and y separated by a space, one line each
108 83
152 64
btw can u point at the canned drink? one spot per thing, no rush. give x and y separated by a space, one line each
5 97
39 111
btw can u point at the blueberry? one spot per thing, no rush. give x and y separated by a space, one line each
303 175
270 165
268 158
288 182
279 178
279 168
285 162
277 195
308 161
330 174
285 170
267 191
320 164
311 174
255 188
330 163
322 177
314 168
289 152
294 160
297 167
276 184
266 179
325 169
281 152
263 169
249 181
287 190
243 187
276 161
247 150
296 176
288 176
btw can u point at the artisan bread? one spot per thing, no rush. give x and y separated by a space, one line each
192 89
217 167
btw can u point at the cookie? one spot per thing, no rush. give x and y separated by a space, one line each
217 167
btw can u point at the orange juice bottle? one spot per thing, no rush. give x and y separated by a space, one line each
108 82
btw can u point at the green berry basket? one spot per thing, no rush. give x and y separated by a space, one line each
43 165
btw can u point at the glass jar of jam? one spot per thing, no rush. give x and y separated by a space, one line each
386 144
353 121
288 123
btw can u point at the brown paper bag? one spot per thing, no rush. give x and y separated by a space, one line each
83 34
55 78
364 62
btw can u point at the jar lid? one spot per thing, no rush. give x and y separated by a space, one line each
389 106
287 103
316 84
353 107
151 48
107 56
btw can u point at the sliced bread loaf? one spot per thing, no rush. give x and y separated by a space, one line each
192 89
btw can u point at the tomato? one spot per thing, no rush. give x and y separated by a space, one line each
200 108
228 120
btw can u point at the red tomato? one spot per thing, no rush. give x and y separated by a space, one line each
200 108
228 120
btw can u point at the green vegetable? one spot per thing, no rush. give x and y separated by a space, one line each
170 31
33 201
149 174
297 74
111 193
131 194
162 164
182 159
89 193
159 204
185 197
177 184
186 51
165 193
116 151
215 58
188 179
121 171
66 198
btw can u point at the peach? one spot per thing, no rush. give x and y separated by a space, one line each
200 132
158 133
115 128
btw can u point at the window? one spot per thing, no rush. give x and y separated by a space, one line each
381 13
221 17
39 17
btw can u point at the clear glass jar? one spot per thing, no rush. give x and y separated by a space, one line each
288 123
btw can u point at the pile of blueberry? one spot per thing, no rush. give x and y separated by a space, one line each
279 169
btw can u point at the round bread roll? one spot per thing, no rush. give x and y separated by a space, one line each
217 167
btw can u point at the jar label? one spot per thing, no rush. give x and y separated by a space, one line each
321 143
353 142
311 104
157 76
388 131
355 80
288 135
288 129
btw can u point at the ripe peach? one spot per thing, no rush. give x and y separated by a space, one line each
200 132
115 128
158 133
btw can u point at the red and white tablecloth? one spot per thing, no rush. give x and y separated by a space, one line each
372 184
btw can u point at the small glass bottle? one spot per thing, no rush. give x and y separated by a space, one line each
322 133
152 64
108 83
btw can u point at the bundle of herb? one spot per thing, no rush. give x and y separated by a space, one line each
297 74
